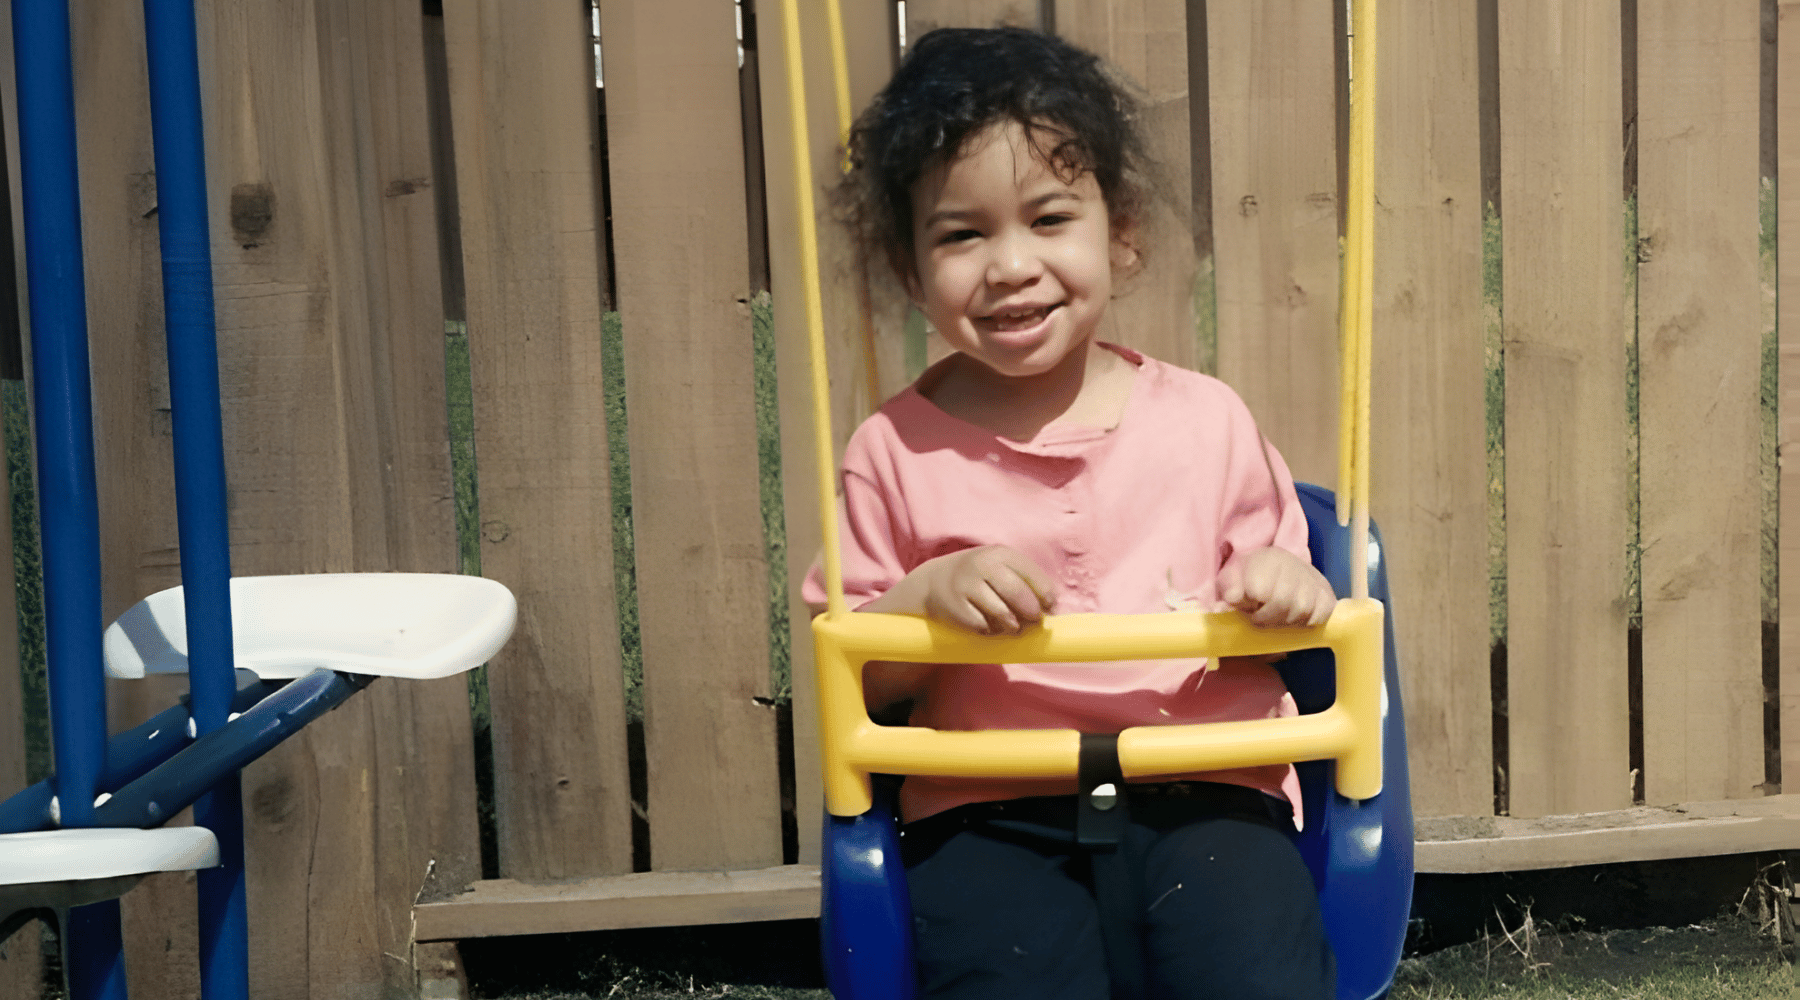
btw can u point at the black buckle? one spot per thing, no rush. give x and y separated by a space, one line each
1100 812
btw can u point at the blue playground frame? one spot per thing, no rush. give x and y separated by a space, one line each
65 448
192 753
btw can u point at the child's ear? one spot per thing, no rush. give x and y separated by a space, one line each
909 279
1125 257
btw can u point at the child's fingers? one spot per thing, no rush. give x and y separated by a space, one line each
1301 598
973 612
995 614
1324 603
1021 601
1231 586
1041 586
1276 588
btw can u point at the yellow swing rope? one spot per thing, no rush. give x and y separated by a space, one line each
852 746
823 456
1356 313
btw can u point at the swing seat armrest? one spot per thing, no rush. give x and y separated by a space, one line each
853 746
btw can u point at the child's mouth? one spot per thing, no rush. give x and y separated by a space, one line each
1017 320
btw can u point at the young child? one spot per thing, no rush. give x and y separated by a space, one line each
1037 470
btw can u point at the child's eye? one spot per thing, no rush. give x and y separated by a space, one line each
1051 220
958 236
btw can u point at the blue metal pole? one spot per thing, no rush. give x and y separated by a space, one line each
68 501
179 139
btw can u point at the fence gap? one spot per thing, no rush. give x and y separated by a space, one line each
1787 111
1200 218
750 97
768 426
624 546
460 405
1634 551
1770 383
1494 381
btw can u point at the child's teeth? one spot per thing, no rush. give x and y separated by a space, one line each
1018 321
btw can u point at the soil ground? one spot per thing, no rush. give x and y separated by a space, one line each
1730 957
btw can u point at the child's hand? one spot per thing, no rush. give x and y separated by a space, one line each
994 590
1275 587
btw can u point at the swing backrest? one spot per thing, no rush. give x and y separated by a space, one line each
1360 853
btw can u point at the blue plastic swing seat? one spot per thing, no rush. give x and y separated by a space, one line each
1360 853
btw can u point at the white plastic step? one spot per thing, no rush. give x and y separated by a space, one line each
413 625
78 855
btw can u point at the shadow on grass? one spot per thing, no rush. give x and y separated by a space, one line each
762 960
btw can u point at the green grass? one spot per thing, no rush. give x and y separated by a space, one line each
1634 540
1725 960
1206 317
631 653
1494 373
28 575
774 513
1770 398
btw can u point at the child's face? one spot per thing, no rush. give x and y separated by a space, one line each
1011 263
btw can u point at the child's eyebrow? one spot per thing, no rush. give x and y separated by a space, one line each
962 214
949 215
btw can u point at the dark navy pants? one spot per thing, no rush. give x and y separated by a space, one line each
1207 886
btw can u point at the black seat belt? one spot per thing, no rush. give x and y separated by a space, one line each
1101 819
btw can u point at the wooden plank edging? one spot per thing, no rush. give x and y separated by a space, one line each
1472 844
1447 845
502 907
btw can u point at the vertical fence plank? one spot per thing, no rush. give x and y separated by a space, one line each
924 15
523 107
1565 406
679 234
1699 322
1147 40
1275 220
868 31
1787 104
419 823
1429 421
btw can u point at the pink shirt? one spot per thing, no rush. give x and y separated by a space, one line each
1136 519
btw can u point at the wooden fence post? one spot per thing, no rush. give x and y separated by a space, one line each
1563 234
674 135
1429 465
1147 40
1699 352
1275 221
863 337
523 105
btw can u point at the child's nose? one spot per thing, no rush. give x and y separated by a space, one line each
1013 262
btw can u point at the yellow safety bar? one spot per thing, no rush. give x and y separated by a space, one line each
853 746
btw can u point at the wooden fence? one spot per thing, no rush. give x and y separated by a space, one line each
1575 417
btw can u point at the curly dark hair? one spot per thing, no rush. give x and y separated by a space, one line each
1078 116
